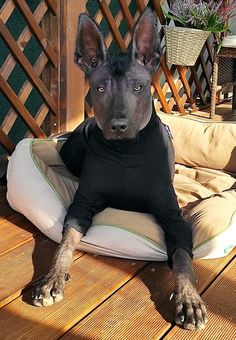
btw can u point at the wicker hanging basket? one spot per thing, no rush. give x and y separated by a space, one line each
183 45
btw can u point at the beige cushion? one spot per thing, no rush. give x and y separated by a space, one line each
196 189
205 144
207 197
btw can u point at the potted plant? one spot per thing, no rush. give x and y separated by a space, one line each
194 21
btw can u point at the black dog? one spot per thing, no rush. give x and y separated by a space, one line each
124 158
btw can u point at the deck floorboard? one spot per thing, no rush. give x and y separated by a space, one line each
142 308
107 298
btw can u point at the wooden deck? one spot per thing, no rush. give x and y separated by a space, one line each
107 298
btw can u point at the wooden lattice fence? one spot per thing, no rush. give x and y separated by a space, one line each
30 74
40 83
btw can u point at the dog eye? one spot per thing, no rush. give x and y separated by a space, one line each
100 89
138 88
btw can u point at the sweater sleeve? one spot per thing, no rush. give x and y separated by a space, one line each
87 202
177 231
74 150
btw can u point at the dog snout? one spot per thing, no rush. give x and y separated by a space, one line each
119 125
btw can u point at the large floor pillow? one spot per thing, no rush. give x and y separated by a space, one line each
41 188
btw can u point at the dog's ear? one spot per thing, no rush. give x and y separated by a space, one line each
91 51
146 48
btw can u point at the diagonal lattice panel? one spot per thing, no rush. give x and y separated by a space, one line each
30 53
10 63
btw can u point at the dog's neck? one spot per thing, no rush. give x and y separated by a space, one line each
141 135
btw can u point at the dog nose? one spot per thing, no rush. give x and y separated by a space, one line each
119 125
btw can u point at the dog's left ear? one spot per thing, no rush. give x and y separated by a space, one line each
146 48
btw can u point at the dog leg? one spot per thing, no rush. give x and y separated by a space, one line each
50 288
190 309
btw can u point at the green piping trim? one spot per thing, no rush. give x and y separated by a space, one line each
41 171
119 227
132 232
216 235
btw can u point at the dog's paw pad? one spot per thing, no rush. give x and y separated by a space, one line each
48 301
57 297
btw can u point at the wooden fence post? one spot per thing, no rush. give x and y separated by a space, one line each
72 78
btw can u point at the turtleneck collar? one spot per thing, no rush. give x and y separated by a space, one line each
141 135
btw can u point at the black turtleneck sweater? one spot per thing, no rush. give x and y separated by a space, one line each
133 175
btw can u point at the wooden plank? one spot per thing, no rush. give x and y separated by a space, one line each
142 309
72 78
53 31
6 142
220 299
20 108
182 72
39 118
172 85
14 231
94 279
52 4
19 55
42 39
6 10
22 266
131 312
159 90
161 96
157 7
141 5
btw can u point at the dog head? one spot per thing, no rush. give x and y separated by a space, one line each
120 84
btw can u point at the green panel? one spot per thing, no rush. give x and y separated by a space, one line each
4 51
123 28
33 4
16 78
16 23
32 50
18 130
4 106
133 8
34 102
92 7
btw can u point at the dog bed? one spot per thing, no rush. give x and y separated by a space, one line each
41 188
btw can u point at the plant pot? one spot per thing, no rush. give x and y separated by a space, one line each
183 45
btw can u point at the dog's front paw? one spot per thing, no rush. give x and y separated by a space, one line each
190 309
50 289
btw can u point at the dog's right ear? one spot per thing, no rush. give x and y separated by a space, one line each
91 51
